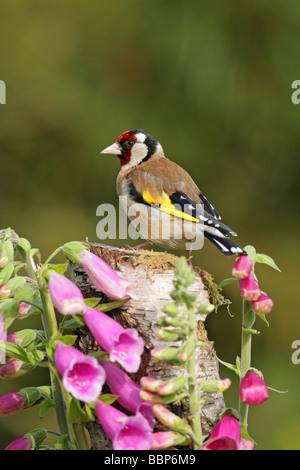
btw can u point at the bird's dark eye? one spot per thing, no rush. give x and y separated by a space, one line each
128 144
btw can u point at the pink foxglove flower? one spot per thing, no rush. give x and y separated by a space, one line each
104 277
66 297
263 304
249 288
253 390
242 267
11 403
21 443
127 390
125 432
82 375
226 435
123 345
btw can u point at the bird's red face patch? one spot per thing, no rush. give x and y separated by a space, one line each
126 136
126 149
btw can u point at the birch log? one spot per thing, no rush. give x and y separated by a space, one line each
151 274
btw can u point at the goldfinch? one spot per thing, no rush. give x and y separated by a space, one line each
162 200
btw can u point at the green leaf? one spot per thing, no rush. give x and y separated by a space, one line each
263 318
67 339
26 336
77 414
29 293
63 443
37 436
5 273
35 252
44 407
16 351
59 268
10 308
249 316
111 305
7 249
25 246
230 366
226 282
108 398
251 252
266 259
92 302
251 331
76 321
72 249
31 394
245 435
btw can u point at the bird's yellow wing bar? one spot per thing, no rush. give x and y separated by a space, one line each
165 205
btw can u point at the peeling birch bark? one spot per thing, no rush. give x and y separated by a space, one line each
151 274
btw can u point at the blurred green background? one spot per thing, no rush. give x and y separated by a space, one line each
212 82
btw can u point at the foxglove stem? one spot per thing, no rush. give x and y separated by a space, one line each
195 409
51 329
245 365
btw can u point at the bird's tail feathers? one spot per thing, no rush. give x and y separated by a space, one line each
225 245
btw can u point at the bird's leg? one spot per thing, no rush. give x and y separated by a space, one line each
189 258
138 247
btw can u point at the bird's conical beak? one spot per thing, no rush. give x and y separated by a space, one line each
114 149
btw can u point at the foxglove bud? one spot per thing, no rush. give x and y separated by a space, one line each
30 441
150 384
249 288
8 289
173 386
104 277
246 445
262 305
165 439
23 310
21 443
215 386
166 335
4 292
66 296
14 369
187 350
171 420
164 354
253 390
242 267
171 309
11 403
155 398
3 261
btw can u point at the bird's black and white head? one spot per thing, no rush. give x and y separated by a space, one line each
133 147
